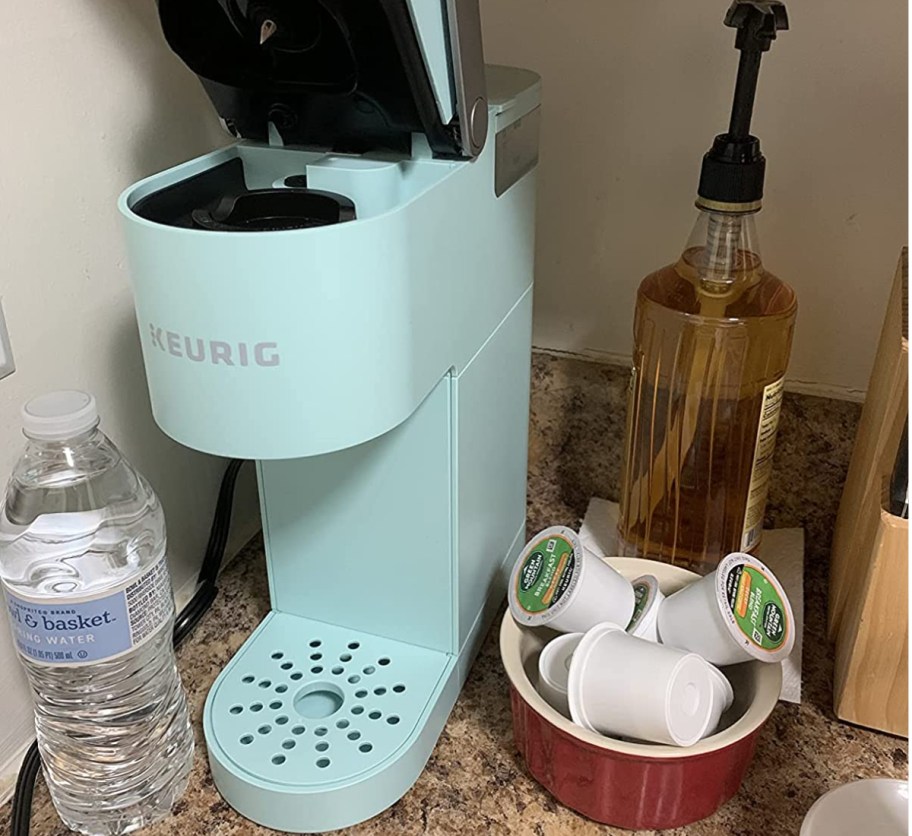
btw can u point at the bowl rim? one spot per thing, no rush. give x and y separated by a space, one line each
769 683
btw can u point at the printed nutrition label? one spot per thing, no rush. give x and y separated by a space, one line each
763 464
149 602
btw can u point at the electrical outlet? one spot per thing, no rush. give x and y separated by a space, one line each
7 364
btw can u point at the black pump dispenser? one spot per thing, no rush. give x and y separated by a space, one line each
731 179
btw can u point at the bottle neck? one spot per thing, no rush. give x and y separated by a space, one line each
92 436
89 452
723 251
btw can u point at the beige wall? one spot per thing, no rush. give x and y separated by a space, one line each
91 100
634 91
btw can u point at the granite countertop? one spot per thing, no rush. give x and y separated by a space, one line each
475 780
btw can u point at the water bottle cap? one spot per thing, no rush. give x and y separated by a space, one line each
57 416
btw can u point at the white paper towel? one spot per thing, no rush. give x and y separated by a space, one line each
782 550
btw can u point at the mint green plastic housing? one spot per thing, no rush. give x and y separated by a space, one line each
378 371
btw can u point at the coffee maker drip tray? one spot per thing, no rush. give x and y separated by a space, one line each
315 715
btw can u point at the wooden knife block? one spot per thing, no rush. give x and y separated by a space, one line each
872 671
868 607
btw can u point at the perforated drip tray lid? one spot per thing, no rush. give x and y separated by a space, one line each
305 703
265 210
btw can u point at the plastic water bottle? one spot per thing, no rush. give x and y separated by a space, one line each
82 562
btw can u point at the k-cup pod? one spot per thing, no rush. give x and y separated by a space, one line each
556 584
554 670
723 697
644 622
622 686
737 613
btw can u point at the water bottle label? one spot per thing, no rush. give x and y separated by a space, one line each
88 629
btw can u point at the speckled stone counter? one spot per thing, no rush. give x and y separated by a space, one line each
475 781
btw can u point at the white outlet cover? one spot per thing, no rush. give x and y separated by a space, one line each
7 364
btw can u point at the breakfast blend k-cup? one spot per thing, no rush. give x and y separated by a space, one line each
556 583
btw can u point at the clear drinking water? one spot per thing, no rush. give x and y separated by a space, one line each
82 563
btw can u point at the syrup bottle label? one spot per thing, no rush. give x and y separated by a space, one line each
763 464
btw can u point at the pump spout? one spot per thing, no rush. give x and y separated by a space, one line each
757 22
731 179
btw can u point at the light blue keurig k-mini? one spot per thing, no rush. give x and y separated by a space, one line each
345 295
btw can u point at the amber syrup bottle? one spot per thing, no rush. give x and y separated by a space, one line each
712 336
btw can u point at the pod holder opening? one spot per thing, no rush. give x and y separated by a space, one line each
270 210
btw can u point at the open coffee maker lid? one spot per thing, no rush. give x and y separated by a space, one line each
345 75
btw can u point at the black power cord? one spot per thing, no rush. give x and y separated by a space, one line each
206 589
186 620
21 819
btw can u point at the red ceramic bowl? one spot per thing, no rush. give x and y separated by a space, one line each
634 785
